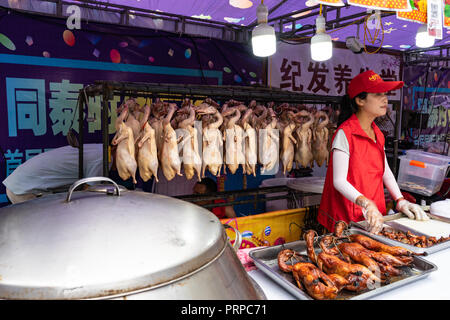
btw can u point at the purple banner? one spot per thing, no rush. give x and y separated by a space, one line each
427 91
43 65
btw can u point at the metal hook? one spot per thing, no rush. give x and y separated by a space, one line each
294 223
336 246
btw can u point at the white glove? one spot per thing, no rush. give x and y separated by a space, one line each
371 213
374 218
412 210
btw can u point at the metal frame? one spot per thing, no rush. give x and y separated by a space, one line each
228 31
423 56
244 193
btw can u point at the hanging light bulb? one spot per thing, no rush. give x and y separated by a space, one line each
423 39
321 46
264 42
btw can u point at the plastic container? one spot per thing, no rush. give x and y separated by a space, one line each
422 172
432 158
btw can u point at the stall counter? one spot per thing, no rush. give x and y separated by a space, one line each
432 287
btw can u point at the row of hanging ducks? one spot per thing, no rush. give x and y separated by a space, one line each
163 135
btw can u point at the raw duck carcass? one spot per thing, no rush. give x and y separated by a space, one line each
212 141
288 142
169 158
158 111
226 111
181 114
147 154
192 162
251 152
320 139
132 119
259 118
303 153
125 152
234 141
269 148
134 114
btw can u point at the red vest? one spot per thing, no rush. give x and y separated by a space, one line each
365 173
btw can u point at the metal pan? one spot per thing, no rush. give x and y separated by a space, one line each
390 223
439 218
266 260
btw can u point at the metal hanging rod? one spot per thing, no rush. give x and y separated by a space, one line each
425 56
202 91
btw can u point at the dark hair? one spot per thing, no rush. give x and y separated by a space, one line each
348 107
210 184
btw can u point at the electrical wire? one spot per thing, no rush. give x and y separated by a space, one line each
366 31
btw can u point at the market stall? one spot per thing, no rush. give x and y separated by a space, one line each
248 97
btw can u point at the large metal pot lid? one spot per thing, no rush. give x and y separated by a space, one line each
89 244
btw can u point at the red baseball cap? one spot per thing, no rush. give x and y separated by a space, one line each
371 82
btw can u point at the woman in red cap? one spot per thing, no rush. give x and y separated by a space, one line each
358 168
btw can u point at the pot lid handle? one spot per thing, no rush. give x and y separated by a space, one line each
88 180
238 239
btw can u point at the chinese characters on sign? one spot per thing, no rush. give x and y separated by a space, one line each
288 79
294 70
16 158
27 107
63 104
318 74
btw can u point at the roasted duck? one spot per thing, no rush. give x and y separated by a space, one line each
412 239
359 277
308 276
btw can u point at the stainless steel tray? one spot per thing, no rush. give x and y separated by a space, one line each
266 260
390 222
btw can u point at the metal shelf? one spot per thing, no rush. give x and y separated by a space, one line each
246 93
107 89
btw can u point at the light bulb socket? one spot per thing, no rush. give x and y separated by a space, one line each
262 13
320 24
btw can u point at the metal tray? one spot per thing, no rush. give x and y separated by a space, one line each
390 222
266 260
439 218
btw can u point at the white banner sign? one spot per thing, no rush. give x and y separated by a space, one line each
291 68
434 15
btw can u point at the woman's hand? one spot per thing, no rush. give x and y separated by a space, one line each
412 210
371 213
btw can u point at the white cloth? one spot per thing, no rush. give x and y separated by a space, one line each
55 168
341 156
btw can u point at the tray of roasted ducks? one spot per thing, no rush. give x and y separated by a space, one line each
418 236
345 265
